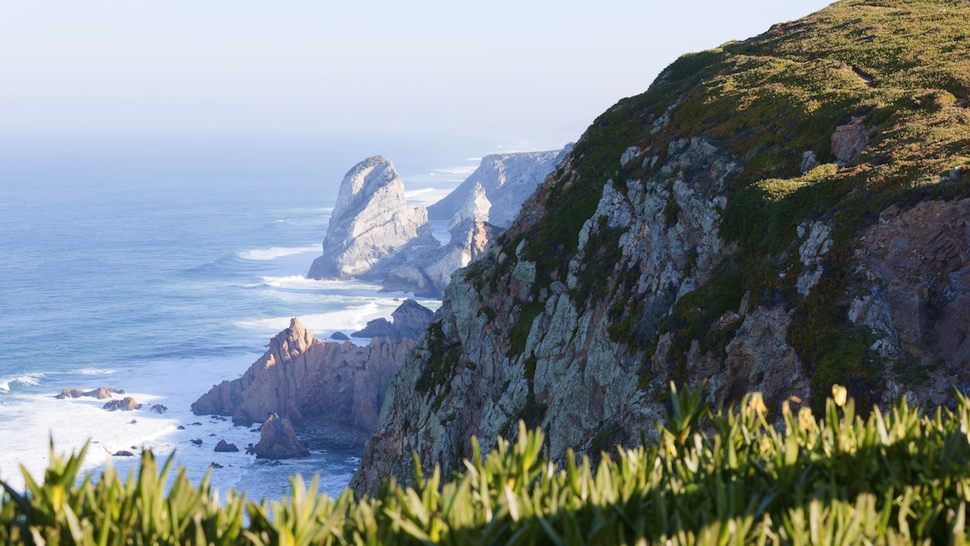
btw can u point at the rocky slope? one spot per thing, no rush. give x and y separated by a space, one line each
777 214
321 386
371 223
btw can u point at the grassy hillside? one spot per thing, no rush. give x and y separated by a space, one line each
900 69
899 477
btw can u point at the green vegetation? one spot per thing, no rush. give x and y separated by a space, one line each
899 477
894 67
441 364
519 333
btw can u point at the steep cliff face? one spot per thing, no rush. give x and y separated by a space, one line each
499 186
370 224
777 214
306 380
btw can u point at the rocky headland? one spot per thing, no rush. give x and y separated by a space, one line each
375 235
333 390
778 214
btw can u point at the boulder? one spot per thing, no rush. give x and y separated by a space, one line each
225 447
123 453
277 440
70 393
849 140
158 408
100 393
126 404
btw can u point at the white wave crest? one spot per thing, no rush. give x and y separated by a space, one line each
94 371
28 380
265 254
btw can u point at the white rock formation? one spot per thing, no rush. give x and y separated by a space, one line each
371 222
506 179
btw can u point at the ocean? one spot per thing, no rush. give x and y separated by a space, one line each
163 274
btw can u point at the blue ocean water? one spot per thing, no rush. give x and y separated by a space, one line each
163 285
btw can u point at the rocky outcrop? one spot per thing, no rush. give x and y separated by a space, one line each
849 140
301 378
409 321
371 222
277 440
126 404
494 193
225 447
688 238
916 297
100 393
70 393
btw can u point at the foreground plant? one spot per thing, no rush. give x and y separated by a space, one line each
898 477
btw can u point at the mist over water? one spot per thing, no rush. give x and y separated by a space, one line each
121 269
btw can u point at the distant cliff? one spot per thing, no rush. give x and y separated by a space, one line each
778 214
501 183
374 234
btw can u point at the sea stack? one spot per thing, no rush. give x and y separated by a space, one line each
371 222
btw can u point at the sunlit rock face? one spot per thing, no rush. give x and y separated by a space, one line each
371 223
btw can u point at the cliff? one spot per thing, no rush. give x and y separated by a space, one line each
374 234
371 222
778 214
318 385
500 184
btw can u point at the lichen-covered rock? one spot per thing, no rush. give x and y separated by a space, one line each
688 238
849 140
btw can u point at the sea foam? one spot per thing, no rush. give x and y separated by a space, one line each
265 254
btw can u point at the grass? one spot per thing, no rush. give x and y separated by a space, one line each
732 477
895 66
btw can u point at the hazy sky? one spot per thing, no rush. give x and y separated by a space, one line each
537 71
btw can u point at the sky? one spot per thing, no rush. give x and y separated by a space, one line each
109 76
540 69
